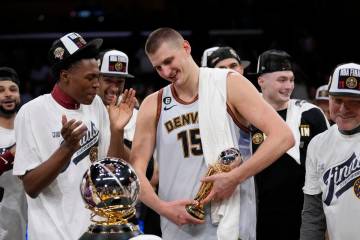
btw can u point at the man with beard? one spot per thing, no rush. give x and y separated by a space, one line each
12 196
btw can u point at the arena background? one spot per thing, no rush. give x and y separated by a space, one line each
319 34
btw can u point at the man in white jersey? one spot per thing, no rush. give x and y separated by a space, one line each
57 133
168 120
13 207
332 184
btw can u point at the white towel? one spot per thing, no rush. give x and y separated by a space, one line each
293 119
216 137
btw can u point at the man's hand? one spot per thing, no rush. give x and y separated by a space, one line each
72 132
120 114
224 184
175 211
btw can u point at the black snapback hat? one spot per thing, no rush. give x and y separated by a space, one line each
70 48
272 61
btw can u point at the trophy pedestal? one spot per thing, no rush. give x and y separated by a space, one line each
111 232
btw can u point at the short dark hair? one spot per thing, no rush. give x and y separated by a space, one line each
158 36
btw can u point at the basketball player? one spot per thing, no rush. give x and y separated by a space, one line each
13 207
332 185
57 133
168 121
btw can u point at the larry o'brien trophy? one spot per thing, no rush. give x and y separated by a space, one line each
110 189
227 160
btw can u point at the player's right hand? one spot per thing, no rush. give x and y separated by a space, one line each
175 211
72 131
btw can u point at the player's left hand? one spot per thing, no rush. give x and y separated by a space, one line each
224 184
121 113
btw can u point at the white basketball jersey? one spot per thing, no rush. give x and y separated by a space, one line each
13 207
181 161
58 212
333 169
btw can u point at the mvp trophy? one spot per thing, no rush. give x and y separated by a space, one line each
110 189
227 160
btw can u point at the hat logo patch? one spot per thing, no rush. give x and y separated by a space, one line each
351 82
118 66
77 39
59 53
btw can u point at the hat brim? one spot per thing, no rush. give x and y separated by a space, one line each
91 47
123 75
346 94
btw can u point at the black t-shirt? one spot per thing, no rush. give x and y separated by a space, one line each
279 186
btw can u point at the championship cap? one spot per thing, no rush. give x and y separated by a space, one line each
222 53
272 61
114 63
70 48
9 74
322 93
345 80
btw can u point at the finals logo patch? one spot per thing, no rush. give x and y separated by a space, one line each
258 138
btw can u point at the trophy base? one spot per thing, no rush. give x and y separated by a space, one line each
197 211
111 232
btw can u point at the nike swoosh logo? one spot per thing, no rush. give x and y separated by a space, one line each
168 108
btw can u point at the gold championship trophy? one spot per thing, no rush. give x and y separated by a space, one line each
227 160
110 189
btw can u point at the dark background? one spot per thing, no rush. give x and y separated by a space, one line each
318 34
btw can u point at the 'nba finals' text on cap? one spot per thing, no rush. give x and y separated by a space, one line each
272 61
223 53
70 48
9 74
322 93
114 63
345 80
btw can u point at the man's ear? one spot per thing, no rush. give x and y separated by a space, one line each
260 81
187 47
64 76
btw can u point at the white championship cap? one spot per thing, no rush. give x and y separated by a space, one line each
115 63
322 93
345 80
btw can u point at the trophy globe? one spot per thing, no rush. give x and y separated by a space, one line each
110 188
